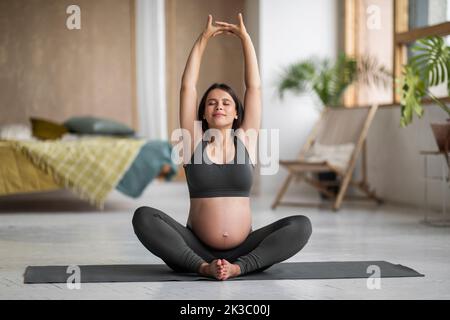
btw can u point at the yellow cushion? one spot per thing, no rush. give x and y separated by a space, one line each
46 129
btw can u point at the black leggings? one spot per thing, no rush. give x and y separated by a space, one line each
183 251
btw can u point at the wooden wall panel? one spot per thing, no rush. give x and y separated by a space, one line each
49 71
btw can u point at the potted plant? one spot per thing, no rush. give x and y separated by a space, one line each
329 80
430 66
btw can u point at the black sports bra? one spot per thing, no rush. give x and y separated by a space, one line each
207 179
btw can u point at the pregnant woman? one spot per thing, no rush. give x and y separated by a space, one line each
218 240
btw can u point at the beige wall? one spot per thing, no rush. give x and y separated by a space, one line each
49 71
396 168
223 60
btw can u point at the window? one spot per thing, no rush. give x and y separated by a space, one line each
425 13
386 30
416 19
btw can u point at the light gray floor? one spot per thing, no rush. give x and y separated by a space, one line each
38 230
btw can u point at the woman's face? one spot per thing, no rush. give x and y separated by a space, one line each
220 109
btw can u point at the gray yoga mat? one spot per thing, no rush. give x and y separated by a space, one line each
161 272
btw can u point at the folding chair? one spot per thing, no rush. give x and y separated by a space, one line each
336 126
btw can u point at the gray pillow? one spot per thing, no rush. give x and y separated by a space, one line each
93 125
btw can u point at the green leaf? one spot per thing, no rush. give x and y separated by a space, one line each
431 60
329 80
296 77
370 72
413 91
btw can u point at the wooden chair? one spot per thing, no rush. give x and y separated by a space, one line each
336 126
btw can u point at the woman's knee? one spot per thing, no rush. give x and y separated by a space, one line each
143 214
303 226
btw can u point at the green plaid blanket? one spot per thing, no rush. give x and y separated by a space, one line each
91 166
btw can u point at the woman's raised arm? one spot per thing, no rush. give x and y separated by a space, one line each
188 91
252 99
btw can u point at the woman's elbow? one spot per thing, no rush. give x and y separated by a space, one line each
254 86
188 87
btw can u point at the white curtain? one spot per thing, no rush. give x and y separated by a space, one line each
150 64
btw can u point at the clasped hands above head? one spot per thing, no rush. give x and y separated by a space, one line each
238 30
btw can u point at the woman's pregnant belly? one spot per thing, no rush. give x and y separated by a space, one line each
221 223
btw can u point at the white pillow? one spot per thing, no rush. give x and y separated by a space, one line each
16 132
336 155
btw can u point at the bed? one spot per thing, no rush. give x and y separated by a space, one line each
90 166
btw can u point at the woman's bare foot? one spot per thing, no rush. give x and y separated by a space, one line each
228 270
220 269
213 269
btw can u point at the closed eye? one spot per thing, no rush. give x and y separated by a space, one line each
226 101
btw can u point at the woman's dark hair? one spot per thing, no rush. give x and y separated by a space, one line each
239 108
